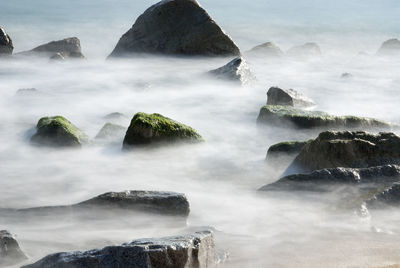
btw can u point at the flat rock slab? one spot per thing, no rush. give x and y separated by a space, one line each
195 250
10 252
175 27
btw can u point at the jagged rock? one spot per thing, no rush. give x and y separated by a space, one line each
156 128
6 44
284 116
236 70
348 149
66 48
10 252
268 49
195 250
289 97
57 131
176 27
390 47
307 50
111 132
324 179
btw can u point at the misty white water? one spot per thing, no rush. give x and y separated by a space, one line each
220 177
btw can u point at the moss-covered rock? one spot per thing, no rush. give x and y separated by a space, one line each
110 132
286 115
57 131
155 128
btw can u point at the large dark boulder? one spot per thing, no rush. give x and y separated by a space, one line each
307 50
286 116
195 250
236 70
6 44
62 49
10 252
268 50
57 131
289 97
389 48
156 128
176 27
348 149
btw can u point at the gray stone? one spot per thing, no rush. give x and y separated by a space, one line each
195 250
236 70
6 44
269 50
346 76
67 48
389 48
307 50
389 196
290 97
10 252
111 132
176 27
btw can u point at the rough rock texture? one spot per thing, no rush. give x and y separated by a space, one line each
306 50
268 49
10 252
179 27
290 97
236 70
6 44
66 48
288 116
195 250
57 131
348 149
389 48
155 128
320 180
111 132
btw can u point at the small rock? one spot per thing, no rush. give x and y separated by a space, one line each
236 70
6 44
155 128
307 50
346 76
195 250
66 48
114 116
111 132
27 91
57 131
10 252
389 48
176 27
268 49
290 97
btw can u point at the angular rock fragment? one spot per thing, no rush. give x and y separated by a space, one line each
236 70
289 97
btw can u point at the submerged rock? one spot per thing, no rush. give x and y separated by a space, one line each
10 252
66 48
114 116
176 27
6 44
57 131
390 47
268 49
289 97
27 91
195 250
156 128
288 116
236 70
348 149
111 132
346 76
389 196
324 179
306 50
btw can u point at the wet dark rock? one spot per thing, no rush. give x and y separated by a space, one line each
288 148
66 48
289 97
305 51
195 250
286 116
389 48
6 44
348 149
176 27
10 252
236 70
111 132
57 131
156 128
269 50
325 179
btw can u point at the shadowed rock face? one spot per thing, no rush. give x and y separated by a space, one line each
268 49
390 47
62 49
290 97
348 149
196 250
6 44
175 27
10 252
236 70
